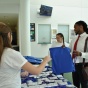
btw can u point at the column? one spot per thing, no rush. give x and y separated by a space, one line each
24 28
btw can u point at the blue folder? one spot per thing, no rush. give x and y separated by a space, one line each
61 60
33 60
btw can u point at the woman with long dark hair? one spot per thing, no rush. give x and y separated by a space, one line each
59 41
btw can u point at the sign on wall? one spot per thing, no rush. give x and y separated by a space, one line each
32 32
72 34
54 32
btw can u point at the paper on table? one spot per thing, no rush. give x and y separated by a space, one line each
52 77
24 85
31 83
62 83
59 76
70 85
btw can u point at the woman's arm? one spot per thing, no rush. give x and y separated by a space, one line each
36 70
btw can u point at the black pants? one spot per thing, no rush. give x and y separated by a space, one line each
78 77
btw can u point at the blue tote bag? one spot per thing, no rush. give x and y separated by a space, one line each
61 60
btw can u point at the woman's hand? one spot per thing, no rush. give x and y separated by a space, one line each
24 74
47 59
63 45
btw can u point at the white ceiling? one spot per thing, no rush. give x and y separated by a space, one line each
9 1
8 18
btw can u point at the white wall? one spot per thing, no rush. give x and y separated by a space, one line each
9 8
64 12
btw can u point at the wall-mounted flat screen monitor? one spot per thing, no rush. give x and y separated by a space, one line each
45 10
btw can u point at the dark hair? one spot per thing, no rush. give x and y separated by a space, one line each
61 36
83 24
4 40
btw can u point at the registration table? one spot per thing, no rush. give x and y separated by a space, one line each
46 80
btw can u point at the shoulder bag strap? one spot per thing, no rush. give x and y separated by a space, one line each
85 48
